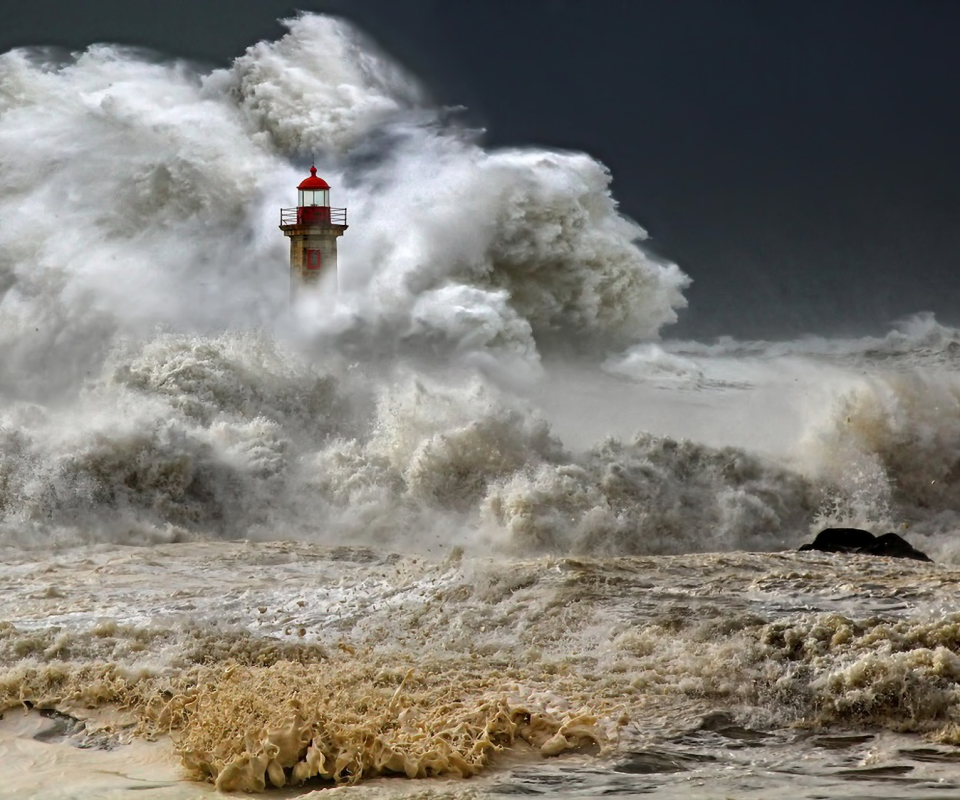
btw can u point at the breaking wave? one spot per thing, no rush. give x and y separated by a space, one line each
161 186
155 385
232 436
130 414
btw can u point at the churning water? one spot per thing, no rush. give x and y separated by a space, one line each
468 516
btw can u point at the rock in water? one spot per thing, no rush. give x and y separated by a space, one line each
841 540
854 540
894 546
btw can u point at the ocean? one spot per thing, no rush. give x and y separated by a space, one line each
465 523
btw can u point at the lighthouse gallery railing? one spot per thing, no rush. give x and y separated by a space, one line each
313 215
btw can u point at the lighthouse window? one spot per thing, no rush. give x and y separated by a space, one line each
314 197
313 259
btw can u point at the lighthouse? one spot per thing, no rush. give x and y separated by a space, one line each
313 228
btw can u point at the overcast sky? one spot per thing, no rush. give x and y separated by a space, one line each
800 160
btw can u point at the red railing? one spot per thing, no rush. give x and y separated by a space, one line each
313 216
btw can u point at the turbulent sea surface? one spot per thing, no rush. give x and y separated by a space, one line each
472 513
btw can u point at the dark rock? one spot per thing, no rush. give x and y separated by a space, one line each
854 540
894 546
841 540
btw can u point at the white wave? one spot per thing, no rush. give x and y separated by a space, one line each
321 88
129 199
158 186
917 340
893 440
653 495
540 227
143 397
650 362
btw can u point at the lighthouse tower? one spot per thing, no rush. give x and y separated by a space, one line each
312 227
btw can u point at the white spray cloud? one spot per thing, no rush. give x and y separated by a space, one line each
138 195
539 228
156 190
129 199
321 88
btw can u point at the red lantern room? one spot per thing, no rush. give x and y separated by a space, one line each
313 205
313 228
313 199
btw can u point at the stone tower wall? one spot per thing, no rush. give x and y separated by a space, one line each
304 239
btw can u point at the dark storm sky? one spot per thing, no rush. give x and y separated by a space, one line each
800 160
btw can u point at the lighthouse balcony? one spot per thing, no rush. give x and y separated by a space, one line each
313 216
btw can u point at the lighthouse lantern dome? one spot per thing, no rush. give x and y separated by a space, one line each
313 191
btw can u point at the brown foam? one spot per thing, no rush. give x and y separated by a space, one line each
247 727
287 723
